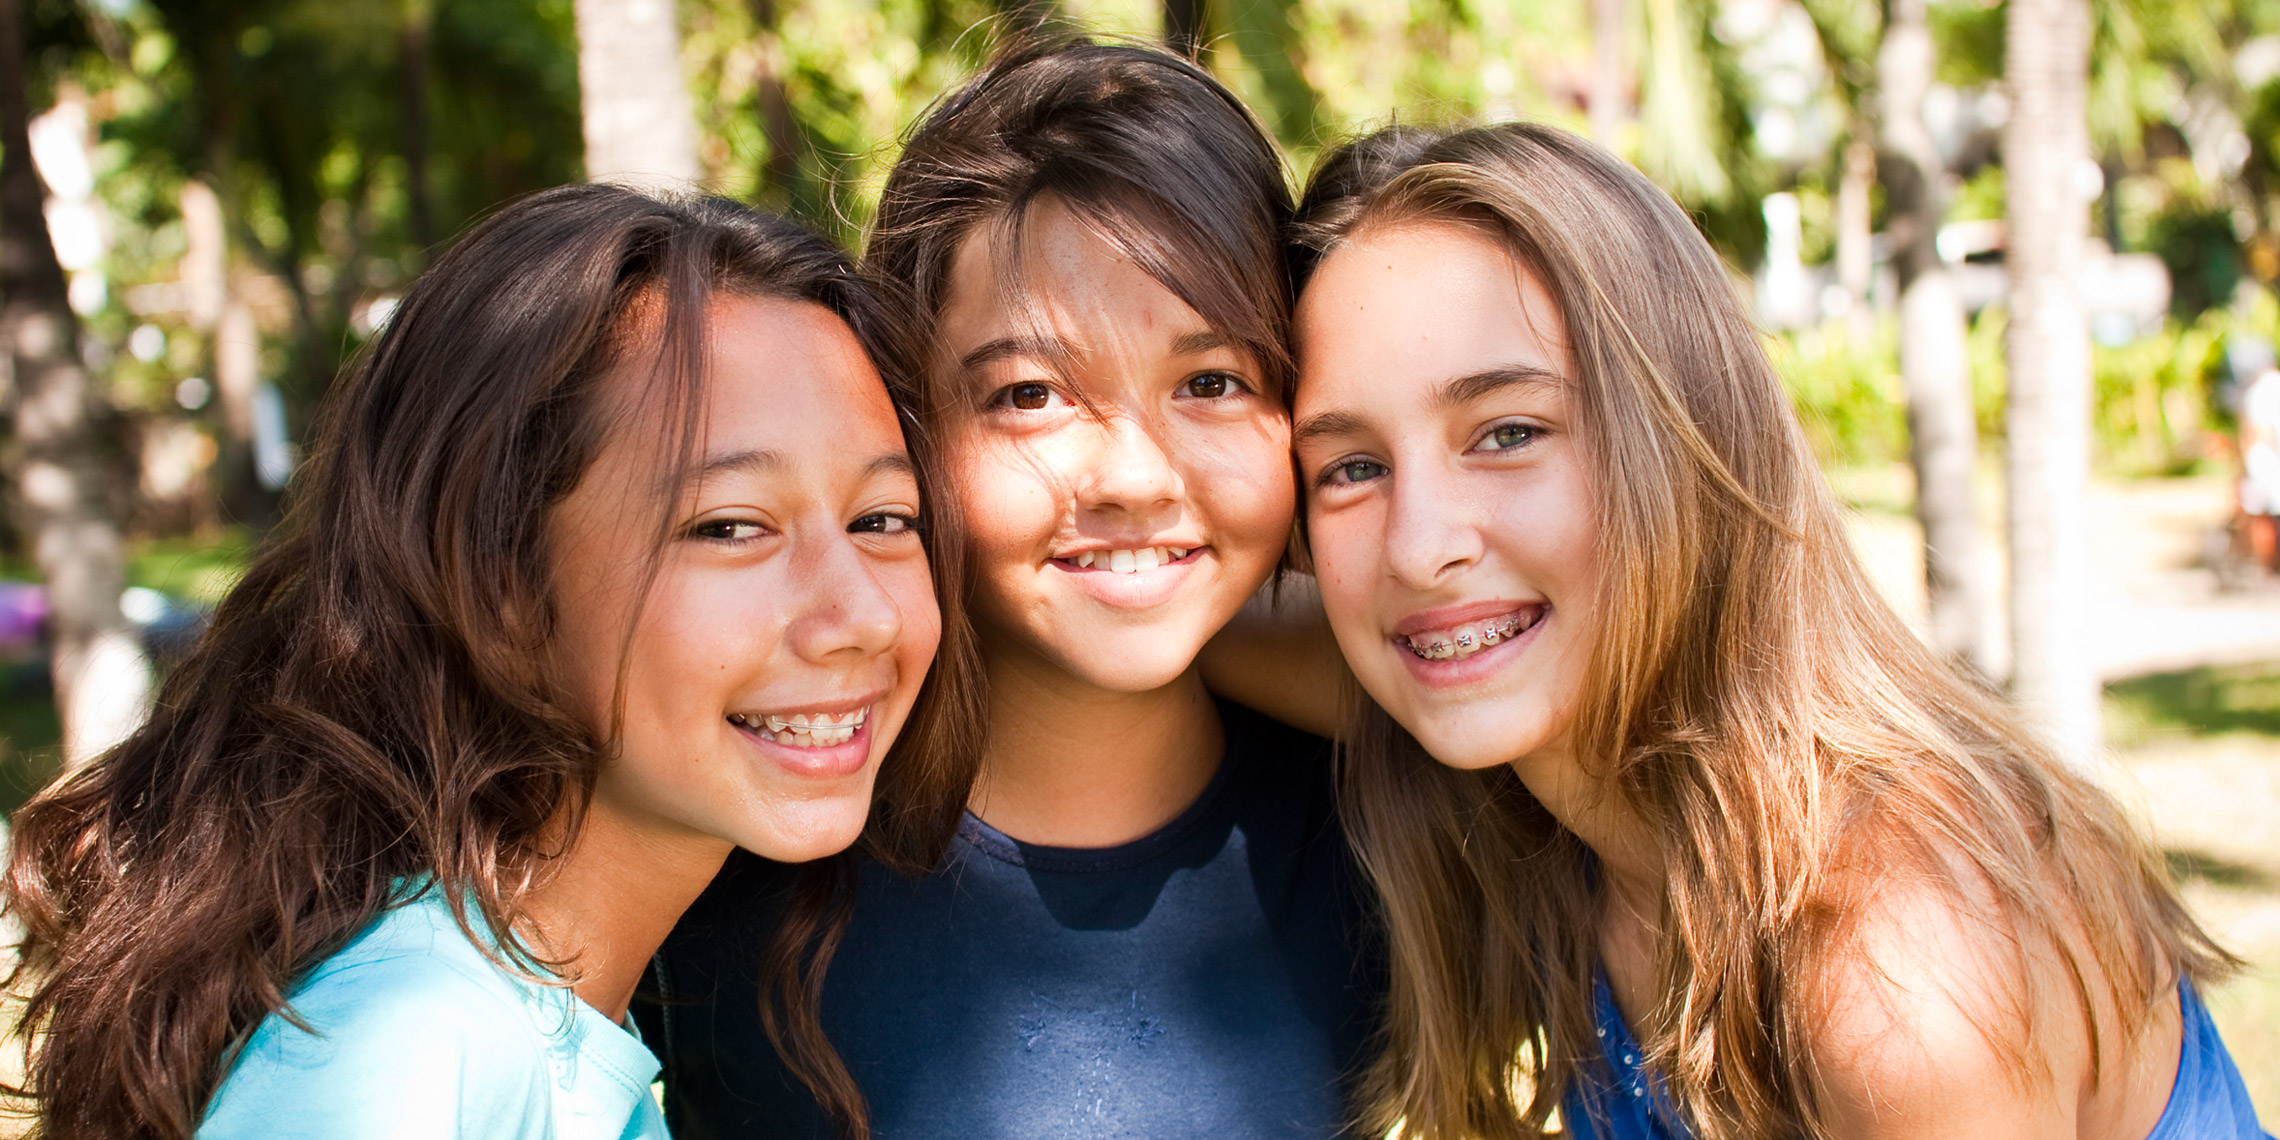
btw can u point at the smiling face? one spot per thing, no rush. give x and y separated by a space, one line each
792 617
1450 506
1121 509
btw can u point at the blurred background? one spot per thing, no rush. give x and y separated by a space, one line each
2016 261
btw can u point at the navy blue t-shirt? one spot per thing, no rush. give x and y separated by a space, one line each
1220 978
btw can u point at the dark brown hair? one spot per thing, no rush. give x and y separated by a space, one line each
1786 738
1168 168
371 704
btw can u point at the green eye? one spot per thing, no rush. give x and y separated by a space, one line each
1505 437
1354 471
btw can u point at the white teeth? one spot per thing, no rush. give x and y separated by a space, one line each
1130 561
1466 640
804 730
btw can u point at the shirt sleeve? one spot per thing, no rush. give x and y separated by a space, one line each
401 1049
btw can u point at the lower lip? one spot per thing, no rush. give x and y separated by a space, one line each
826 762
1137 590
1467 670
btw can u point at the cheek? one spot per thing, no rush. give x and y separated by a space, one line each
913 590
1243 482
1344 546
586 645
1007 496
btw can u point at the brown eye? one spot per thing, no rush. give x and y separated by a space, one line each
1211 386
1028 397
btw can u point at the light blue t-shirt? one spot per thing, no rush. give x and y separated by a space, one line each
421 1035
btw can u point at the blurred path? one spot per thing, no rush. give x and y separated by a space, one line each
2195 739
2156 603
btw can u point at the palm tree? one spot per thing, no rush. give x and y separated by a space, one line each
1935 367
633 96
2046 147
102 681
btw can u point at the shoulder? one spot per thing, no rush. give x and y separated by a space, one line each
1934 1015
410 1030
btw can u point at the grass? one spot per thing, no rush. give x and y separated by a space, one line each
2201 749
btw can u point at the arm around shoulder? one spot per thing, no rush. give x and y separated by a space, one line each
1278 656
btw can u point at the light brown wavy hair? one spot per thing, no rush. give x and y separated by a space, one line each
1755 702
371 704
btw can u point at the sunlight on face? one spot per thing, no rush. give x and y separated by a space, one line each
1450 508
792 618
1120 513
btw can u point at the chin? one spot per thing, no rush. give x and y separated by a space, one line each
1138 668
805 833
1466 743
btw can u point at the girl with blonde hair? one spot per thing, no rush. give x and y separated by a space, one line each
1676 827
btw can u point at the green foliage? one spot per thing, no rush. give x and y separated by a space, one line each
2203 254
1846 385
2151 396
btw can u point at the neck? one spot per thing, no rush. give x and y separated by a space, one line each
1630 862
1070 764
608 904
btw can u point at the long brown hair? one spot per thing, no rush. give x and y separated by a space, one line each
1756 704
1170 169
370 706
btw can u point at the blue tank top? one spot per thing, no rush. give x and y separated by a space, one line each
1620 1099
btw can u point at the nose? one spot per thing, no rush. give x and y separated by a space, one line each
1133 472
1429 534
847 613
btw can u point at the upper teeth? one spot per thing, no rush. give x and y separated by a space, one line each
1130 561
1466 640
804 728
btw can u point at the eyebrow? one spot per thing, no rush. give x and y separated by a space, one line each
1011 347
1465 389
761 461
1050 348
1197 343
1451 393
1325 424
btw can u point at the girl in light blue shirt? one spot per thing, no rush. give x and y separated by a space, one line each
608 560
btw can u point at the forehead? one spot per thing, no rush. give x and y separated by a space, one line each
784 377
1065 276
793 372
1412 304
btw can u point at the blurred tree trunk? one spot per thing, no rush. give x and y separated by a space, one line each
413 72
1022 16
1856 261
2045 148
102 680
1935 367
1186 26
634 99
785 182
1269 42
1608 98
